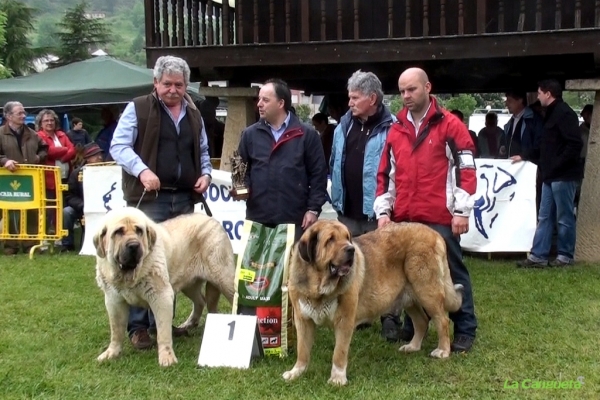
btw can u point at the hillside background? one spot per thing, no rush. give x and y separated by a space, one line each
126 19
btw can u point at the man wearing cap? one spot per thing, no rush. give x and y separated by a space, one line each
92 153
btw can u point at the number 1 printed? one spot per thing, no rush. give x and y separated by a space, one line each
231 329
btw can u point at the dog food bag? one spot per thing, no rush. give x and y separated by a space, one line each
261 283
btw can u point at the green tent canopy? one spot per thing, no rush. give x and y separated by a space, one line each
99 80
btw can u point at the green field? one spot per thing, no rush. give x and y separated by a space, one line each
533 325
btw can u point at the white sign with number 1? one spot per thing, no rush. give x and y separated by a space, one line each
230 341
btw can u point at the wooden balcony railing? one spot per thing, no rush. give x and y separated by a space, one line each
192 23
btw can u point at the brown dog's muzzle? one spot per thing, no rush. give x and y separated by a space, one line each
343 268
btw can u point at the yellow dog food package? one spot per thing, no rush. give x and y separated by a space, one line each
261 283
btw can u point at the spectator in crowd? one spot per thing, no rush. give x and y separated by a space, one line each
161 143
325 129
215 129
489 137
459 114
19 144
520 140
77 135
413 185
73 210
60 154
561 171
522 133
109 115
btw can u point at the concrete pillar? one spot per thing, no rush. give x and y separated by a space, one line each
587 247
241 106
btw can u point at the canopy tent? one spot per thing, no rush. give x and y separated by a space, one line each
99 80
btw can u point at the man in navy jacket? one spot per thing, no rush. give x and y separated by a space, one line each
287 171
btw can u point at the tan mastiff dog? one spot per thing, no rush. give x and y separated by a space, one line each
343 282
145 264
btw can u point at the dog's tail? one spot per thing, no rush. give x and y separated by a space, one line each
452 293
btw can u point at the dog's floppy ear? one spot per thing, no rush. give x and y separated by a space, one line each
151 233
307 246
99 242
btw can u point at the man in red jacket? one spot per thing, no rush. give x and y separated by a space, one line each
427 175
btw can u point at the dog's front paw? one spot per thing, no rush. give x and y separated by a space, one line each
409 348
109 354
166 358
440 353
338 377
293 373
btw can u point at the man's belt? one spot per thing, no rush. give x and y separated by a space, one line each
176 190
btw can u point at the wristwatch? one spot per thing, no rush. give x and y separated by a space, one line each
209 177
316 213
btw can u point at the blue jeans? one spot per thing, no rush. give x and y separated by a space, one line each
69 218
165 206
557 207
465 322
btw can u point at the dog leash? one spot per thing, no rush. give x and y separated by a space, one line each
202 200
205 205
142 197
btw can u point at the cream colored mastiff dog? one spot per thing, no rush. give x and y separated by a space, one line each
145 264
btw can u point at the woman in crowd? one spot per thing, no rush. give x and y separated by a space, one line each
60 153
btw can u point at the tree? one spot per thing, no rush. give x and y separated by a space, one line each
17 53
578 100
137 45
494 100
463 102
4 72
303 112
395 104
46 38
79 35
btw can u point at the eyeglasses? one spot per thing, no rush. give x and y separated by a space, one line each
47 121
21 113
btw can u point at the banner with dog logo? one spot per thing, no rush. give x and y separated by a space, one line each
504 215
261 283
503 219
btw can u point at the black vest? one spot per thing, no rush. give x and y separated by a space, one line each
175 160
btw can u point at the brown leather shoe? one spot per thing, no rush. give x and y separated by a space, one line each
141 340
176 332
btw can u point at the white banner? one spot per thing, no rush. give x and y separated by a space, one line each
102 192
504 216
503 220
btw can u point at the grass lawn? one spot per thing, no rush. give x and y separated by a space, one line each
538 325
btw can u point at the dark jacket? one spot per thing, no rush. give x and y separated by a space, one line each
286 179
81 137
528 147
74 195
560 145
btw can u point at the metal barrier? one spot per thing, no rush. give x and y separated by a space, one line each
22 193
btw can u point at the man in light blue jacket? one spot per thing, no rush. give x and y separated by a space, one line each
358 143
